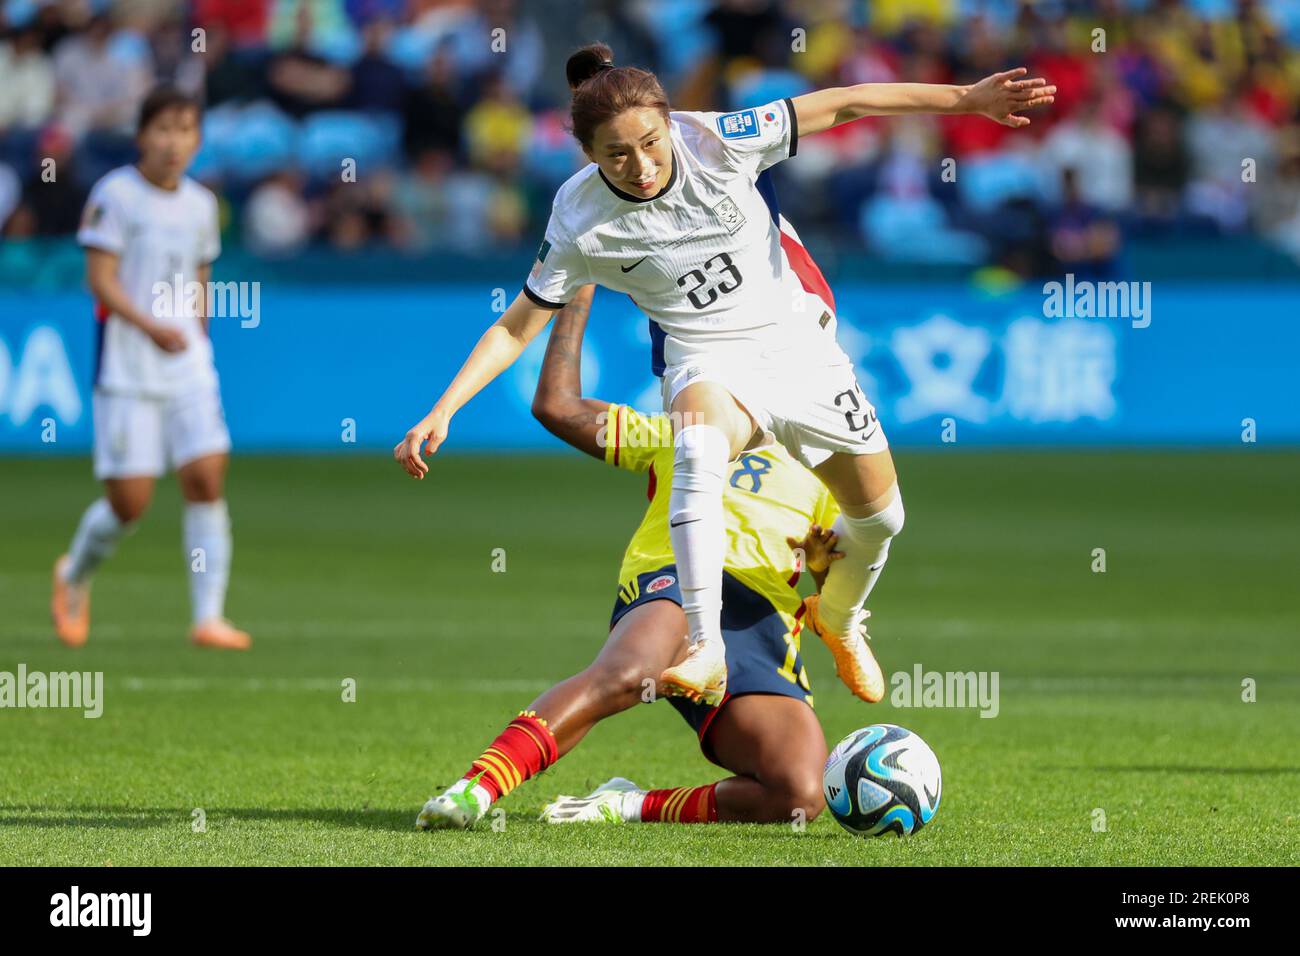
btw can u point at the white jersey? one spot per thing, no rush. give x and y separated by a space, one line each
162 237
704 258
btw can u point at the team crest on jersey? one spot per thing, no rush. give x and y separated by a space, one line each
742 124
659 583
730 214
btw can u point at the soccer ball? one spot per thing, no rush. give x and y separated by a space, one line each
882 779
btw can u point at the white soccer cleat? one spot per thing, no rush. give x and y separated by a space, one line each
453 810
605 804
701 677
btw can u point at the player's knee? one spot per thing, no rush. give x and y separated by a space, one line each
202 487
130 509
700 456
888 514
792 806
894 514
794 794
878 522
204 491
802 797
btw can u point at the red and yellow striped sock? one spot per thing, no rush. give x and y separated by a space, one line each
525 748
681 805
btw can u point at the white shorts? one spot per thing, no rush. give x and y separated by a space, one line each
812 405
138 436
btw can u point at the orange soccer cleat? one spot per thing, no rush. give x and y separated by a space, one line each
219 633
70 607
855 665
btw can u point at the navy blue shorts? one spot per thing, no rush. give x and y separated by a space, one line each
758 652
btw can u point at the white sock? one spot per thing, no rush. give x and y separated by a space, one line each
865 543
696 527
97 535
630 805
207 552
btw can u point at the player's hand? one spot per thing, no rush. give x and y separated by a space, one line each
166 337
409 452
1001 96
818 547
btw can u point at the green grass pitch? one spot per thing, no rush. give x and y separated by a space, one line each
1119 691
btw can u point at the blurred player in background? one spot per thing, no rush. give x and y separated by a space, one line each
764 731
150 233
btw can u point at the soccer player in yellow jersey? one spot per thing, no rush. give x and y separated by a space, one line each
764 730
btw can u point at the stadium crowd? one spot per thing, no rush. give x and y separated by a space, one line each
420 125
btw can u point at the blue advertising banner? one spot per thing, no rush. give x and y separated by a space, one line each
324 369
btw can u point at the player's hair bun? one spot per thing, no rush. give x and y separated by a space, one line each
602 91
587 62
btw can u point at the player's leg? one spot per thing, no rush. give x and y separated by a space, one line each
772 742
128 456
643 642
777 750
865 486
208 547
648 639
198 445
833 429
710 429
765 732
871 513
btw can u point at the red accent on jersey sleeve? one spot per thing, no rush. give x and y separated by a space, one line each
101 312
618 428
650 486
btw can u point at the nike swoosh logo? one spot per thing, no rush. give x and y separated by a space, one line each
627 269
678 524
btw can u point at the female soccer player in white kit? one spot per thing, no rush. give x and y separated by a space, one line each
669 212
150 232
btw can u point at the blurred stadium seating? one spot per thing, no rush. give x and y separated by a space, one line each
459 148
373 288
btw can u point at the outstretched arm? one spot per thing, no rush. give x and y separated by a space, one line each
999 97
558 403
498 347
